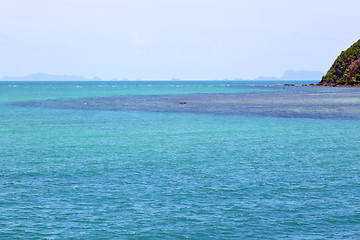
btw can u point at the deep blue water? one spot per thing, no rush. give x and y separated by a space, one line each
152 171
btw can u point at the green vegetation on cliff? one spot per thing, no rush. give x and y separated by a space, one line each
346 68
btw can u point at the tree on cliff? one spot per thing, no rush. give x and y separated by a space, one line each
346 68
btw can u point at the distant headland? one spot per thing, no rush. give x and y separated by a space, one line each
294 75
346 69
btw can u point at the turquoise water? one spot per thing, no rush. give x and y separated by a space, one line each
19 91
80 173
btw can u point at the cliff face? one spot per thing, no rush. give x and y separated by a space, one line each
346 69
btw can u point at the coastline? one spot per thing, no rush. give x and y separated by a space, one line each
322 84
330 84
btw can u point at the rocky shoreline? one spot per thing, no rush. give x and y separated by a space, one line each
322 84
330 84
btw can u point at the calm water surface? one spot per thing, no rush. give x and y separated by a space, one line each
74 172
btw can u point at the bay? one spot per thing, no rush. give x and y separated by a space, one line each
80 173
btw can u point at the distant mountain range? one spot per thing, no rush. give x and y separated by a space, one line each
48 77
295 75
288 75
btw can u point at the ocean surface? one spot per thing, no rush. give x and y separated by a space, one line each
126 160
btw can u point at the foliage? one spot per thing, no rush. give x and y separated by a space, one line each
356 79
340 72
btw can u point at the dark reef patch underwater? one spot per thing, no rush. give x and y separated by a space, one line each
293 102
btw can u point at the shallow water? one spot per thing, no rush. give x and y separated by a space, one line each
85 173
274 101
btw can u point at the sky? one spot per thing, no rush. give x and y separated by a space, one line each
167 39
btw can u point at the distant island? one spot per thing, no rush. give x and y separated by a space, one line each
47 77
346 69
294 75
43 77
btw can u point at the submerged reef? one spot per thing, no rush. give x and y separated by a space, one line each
345 71
293 102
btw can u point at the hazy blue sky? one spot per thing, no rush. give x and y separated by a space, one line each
164 39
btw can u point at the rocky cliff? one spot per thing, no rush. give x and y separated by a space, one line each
346 69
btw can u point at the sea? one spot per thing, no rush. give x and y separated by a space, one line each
179 160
